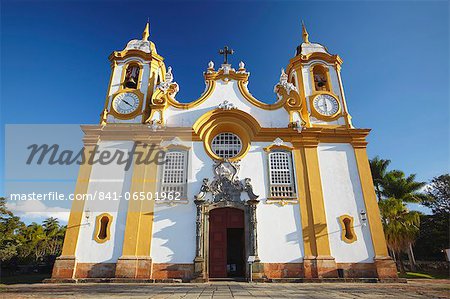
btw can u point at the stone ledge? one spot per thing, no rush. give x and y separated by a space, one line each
110 280
331 280
259 280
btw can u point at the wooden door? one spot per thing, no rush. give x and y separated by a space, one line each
219 221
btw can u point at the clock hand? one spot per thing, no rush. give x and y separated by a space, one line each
127 103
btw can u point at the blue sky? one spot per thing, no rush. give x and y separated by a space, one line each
55 68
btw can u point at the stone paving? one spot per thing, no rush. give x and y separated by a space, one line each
412 289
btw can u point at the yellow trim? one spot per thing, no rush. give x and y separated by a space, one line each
161 99
174 147
98 225
76 212
316 114
147 211
348 118
210 89
344 232
314 203
139 223
133 53
274 147
249 97
220 121
133 114
300 86
309 237
370 200
319 56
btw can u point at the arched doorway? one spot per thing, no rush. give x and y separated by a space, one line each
226 243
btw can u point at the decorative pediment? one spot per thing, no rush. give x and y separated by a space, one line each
226 186
278 144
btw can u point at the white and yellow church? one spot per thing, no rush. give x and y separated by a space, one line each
276 191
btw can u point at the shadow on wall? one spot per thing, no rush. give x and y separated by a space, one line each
101 270
176 231
297 236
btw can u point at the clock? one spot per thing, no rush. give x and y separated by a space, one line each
126 103
326 105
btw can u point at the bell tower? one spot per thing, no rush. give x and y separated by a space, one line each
135 71
317 75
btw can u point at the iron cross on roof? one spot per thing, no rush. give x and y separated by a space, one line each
225 51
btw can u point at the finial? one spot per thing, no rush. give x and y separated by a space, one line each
210 65
283 77
305 34
241 65
169 76
146 32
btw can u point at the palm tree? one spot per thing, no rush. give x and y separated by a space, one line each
396 184
378 167
51 226
404 189
401 227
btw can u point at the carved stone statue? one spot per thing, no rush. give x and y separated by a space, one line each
203 190
249 189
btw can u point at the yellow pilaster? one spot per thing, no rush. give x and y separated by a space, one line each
65 265
317 261
316 199
147 211
139 222
136 261
309 237
76 212
370 200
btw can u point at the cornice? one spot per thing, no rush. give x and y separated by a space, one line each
121 55
309 137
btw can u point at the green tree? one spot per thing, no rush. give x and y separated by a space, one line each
396 184
401 227
434 236
439 193
54 236
10 226
378 168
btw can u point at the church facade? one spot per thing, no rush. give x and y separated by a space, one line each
280 190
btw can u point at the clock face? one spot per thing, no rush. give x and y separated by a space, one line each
126 103
326 105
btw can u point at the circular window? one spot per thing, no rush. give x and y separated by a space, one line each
226 145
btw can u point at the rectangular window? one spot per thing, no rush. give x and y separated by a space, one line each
281 175
174 175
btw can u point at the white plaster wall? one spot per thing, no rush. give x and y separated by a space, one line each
343 195
105 178
279 228
230 92
173 239
280 237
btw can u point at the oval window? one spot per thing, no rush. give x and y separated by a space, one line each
226 145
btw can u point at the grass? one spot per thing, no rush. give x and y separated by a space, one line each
422 275
24 278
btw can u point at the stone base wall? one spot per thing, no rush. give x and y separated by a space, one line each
173 271
67 269
93 270
281 270
358 270
64 267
